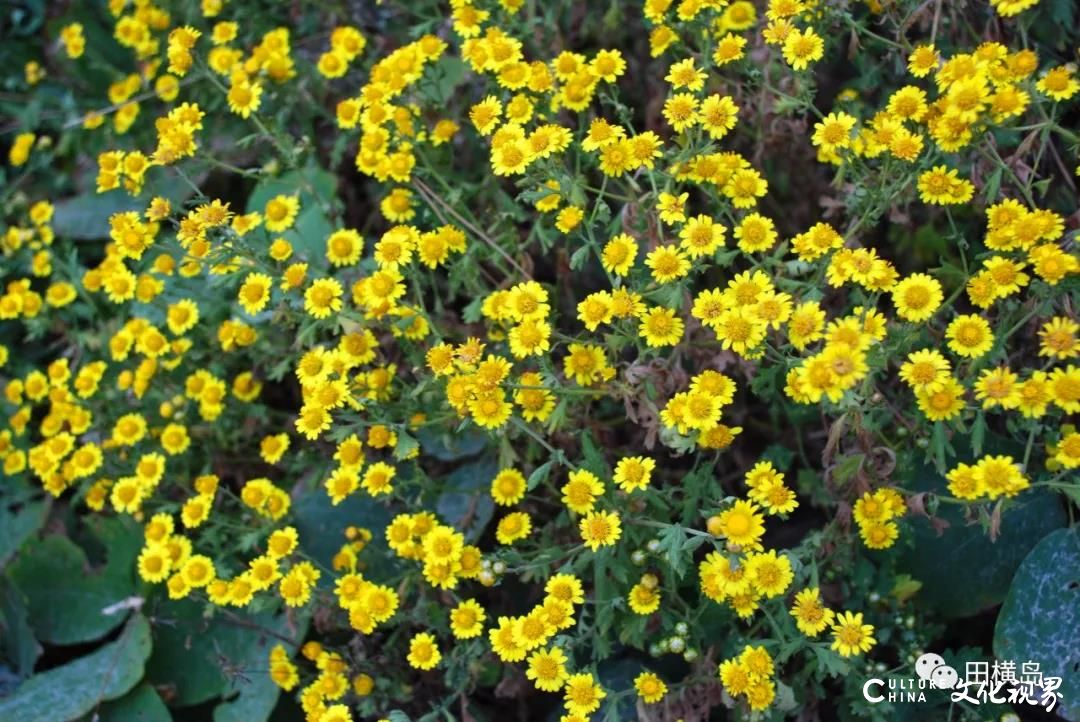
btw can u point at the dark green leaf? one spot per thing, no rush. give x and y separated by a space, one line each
20 649
962 571
199 658
321 527
74 689
65 598
141 704
1040 619
465 501
19 519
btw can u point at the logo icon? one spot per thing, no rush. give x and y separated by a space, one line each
932 668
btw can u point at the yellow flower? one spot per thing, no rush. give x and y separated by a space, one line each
672 208
423 652
343 247
811 615
1058 83
254 293
661 327
547 669
925 370
833 132
684 74
378 479
917 297
923 60
650 687
633 473
280 213
944 403
244 97
600 528
742 525
1059 338
586 364
969 336
323 297
644 597
942 186
20 149
513 527
467 620
583 694
850 636
508 487
802 48
668 263
581 491
485 115
569 218
701 236
681 111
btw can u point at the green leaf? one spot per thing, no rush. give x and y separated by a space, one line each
321 527
257 694
65 599
452 74
451 447
593 457
465 501
185 660
19 519
615 676
20 649
993 184
198 658
978 434
577 259
317 189
672 541
847 467
1040 619
74 689
141 704
86 217
831 663
539 474
406 445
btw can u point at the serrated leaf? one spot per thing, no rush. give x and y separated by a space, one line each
671 545
539 474
577 259
831 663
